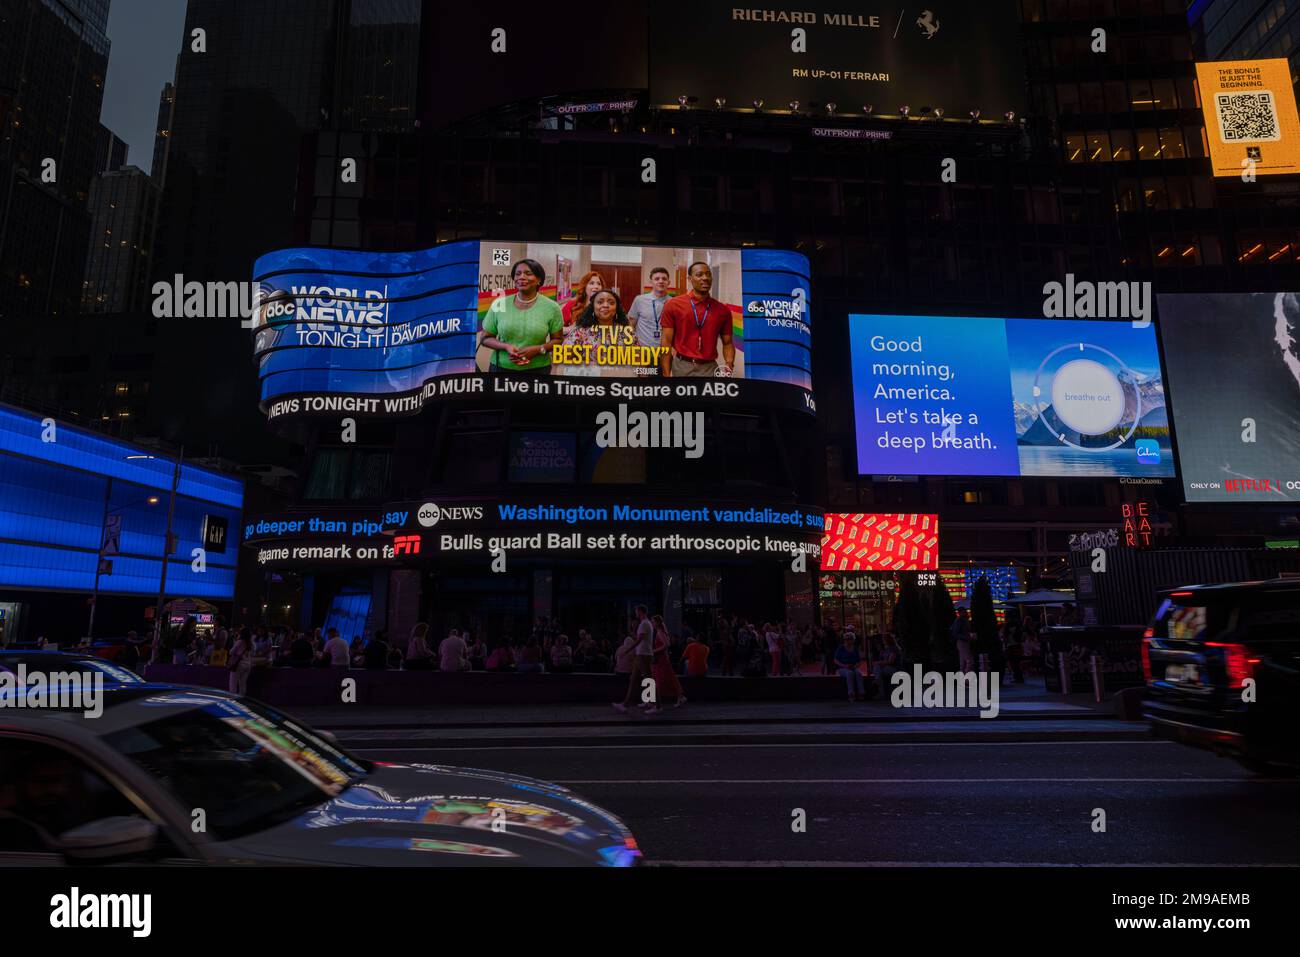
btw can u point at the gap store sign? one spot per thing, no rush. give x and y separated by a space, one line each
57 496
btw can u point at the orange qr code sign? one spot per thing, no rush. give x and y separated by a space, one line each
1251 122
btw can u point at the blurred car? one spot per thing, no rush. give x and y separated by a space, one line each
170 774
46 662
120 650
1222 665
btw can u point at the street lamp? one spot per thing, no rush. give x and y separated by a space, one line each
167 548
103 535
167 540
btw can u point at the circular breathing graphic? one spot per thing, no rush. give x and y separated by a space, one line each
1087 397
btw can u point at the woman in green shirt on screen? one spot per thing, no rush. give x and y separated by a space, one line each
521 330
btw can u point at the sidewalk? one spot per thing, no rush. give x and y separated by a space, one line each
1016 702
1026 713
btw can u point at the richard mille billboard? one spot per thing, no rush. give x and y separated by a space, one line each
959 56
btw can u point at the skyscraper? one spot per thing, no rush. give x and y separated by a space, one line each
378 71
1247 30
241 105
53 58
110 151
123 204
163 136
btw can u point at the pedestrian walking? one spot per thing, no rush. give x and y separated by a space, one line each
773 639
240 663
642 666
960 631
666 683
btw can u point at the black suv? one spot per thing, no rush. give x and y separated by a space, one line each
1222 665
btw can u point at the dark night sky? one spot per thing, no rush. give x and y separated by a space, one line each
146 37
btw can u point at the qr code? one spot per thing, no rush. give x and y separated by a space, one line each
1247 116
501 257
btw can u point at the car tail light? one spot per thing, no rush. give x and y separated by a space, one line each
1146 653
1239 662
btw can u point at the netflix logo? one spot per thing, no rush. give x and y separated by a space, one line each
1251 485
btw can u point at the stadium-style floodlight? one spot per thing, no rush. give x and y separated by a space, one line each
830 108
868 109
794 106
904 109
683 100
758 104
721 101
975 115
938 112
1011 116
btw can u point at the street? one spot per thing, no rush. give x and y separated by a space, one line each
956 803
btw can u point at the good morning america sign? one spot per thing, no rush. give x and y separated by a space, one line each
386 333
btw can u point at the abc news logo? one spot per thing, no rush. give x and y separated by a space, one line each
429 514
776 308
275 305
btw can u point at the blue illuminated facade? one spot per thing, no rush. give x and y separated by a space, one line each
55 495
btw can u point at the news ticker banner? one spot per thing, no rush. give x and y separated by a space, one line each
1251 120
947 395
880 542
387 333
650 392
414 532
959 56
1236 405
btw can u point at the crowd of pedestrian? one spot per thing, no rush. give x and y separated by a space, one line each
733 646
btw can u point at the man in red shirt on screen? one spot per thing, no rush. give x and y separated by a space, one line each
692 326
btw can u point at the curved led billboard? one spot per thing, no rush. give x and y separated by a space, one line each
953 395
342 331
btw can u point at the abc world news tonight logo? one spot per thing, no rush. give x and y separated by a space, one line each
312 315
785 313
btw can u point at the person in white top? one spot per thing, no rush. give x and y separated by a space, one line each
337 650
641 669
773 638
453 654
625 655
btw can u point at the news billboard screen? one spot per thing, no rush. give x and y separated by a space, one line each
1251 120
1236 404
954 395
384 333
957 56
880 542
